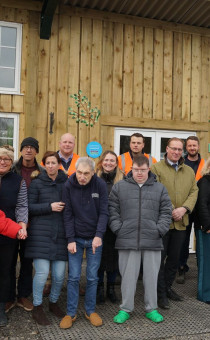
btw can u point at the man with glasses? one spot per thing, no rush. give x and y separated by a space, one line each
140 215
24 167
179 179
85 220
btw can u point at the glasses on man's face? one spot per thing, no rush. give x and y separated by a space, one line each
176 149
28 147
141 171
5 160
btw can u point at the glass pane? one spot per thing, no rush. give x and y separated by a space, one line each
163 147
7 57
8 36
125 144
7 77
6 128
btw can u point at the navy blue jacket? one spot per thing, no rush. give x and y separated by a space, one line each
86 209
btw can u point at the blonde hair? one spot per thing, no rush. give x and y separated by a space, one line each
7 150
206 168
99 168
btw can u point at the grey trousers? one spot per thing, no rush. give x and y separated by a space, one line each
129 267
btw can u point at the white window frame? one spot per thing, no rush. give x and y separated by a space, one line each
15 116
16 89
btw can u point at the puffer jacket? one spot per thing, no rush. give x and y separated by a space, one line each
202 208
181 185
139 216
46 234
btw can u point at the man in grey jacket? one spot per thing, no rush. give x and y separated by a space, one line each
140 215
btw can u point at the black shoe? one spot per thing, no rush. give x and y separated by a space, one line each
110 293
163 303
171 294
100 299
181 276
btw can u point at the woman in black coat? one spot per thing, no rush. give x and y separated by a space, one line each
46 242
107 169
202 226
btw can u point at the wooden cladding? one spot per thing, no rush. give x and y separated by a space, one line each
132 73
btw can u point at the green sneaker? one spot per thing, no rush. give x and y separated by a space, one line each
121 317
154 316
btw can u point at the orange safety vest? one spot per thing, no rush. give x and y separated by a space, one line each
125 161
200 167
71 168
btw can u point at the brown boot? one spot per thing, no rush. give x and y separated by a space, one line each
39 316
55 309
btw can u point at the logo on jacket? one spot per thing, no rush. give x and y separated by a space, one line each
95 195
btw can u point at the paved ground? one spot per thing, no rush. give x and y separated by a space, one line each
185 320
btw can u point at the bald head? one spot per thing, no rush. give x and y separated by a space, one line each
66 145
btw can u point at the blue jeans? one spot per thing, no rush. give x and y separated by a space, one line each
75 266
42 268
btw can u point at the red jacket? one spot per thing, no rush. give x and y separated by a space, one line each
7 226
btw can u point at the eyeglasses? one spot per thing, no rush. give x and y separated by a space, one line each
141 171
5 160
176 149
28 147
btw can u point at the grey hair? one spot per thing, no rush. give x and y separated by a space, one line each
85 160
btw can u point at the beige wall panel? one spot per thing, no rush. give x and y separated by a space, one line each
128 71
62 77
158 75
138 71
22 16
205 80
52 143
42 97
30 108
74 73
117 70
107 69
148 73
167 74
96 62
17 104
6 103
204 140
177 76
196 79
186 81
86 50
8 14
107 138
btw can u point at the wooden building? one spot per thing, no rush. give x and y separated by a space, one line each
144 74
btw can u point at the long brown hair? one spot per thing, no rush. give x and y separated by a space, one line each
99 168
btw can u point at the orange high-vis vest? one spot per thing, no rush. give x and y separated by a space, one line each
72 167
125 161
200 167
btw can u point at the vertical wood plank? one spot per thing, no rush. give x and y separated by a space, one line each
117 70
86 50
205 80
138 71
196 79
186 82
167 74
128 71
148 73
158 75
177 76
6 103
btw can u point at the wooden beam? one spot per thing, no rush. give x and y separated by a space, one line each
131 122
48 10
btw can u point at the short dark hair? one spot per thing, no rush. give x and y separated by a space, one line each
141 160
176 140
138 135
51 154
192 138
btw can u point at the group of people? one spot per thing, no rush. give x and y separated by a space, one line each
127 213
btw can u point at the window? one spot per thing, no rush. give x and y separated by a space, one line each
10 57
9 127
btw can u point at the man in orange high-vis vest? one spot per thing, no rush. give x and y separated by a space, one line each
194 160
137 143
68 157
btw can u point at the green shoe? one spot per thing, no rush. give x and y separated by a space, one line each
121 317
154 316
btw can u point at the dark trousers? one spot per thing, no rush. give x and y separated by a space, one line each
172 243
184 254
24 287
6 257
